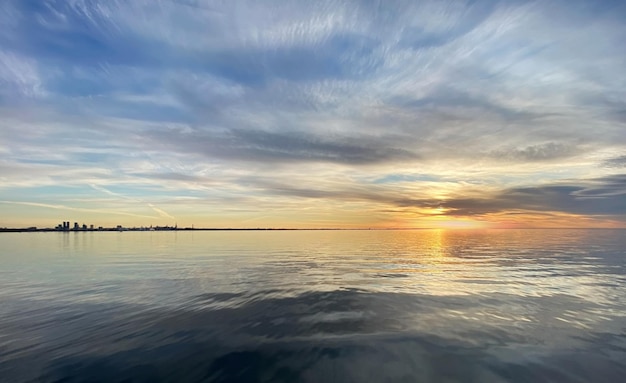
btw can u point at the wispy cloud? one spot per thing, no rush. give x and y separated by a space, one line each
160 212
77 209
19 77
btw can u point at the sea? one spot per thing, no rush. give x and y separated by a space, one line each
314 306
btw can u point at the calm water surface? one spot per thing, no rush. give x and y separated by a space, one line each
314 306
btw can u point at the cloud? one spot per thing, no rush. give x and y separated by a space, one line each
160 212
541 152
19 77
616 162
71 208
603 196
279 146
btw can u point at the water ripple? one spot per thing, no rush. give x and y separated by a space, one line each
349 306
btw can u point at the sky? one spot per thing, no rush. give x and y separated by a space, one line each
313 114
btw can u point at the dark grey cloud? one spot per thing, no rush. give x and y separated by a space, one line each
605 196
280 146
170 176
609 186
272 186
539 152
616 162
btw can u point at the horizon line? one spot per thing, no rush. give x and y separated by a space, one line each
35 229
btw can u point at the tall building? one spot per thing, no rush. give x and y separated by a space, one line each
76 227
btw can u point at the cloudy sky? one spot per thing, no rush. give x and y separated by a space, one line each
313 113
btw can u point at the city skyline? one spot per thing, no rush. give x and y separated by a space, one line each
341 114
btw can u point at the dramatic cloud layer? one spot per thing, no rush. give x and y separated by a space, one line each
313 114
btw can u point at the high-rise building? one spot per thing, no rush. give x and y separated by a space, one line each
76 227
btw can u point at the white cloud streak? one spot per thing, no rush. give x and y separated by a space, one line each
77 209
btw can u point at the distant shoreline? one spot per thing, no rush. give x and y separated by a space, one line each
52 230
49 230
